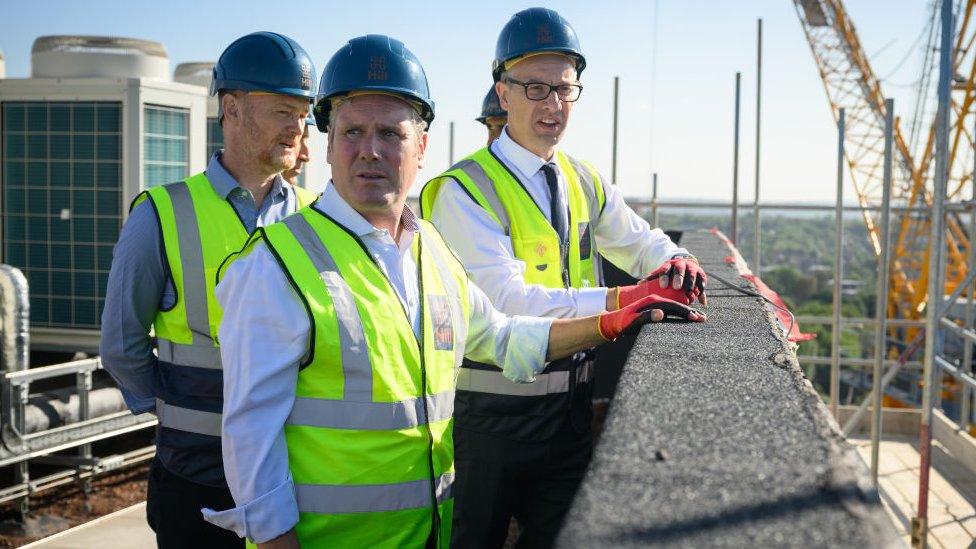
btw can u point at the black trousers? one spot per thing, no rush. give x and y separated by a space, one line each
173 506
497 479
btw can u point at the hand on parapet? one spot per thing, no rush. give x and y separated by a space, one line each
652 308
684 274
625 295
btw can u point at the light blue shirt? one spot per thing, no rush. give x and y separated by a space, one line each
139 283
264 335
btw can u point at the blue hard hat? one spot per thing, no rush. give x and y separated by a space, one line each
536 30
265 61
491 107
373 62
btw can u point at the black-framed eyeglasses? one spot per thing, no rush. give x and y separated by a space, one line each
539 91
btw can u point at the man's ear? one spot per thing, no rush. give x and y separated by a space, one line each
502 90
231 106
421 149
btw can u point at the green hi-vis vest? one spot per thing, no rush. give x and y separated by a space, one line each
490 183
199 230
369 438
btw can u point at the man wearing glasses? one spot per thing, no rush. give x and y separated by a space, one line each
527 221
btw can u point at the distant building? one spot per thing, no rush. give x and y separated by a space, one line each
97 122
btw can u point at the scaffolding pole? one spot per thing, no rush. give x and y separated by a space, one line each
735 165
935 287
757 227
881 296
838 268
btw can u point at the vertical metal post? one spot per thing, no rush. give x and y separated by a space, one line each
84 383
21 472
735 165
965 409
838 269
881 295
757 227
935 289
450 145
654 200
616 105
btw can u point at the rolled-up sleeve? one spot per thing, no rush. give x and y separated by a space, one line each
518 344
263 335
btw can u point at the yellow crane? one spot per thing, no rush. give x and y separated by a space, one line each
851 84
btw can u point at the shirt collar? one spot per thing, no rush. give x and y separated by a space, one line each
522 159
334 206
224 183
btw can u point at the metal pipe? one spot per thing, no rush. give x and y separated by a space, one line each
613 152
654 222
757 227
835 329
786 206
965 408
735 164
450 144
881 295
856 362
15 319
859 321
935 289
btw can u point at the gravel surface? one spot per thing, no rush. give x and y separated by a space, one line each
66 506
715 439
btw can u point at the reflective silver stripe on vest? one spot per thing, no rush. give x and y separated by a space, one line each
589 187
487 381
357 371
585 372
370 416
459 323
186 419
327 499
201 356
477 174
194 289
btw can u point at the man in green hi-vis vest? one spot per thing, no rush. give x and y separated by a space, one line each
164 272
344 327
527 221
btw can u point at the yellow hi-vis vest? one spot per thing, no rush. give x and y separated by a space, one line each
199 230
490 183
369 438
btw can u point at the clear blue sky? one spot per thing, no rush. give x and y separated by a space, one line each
700 45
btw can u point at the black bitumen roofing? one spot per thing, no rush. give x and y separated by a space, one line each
714 438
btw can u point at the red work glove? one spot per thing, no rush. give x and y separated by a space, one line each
652 308
682 273
631 294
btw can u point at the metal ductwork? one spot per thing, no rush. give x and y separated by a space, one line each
98 56
14 320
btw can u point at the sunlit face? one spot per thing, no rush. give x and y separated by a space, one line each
303 158
266 127
495 125
375 152
537 125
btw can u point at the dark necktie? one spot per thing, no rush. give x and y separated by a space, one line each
557 207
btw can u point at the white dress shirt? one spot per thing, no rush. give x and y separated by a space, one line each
621 236
264 335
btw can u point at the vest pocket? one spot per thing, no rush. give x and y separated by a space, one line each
541 257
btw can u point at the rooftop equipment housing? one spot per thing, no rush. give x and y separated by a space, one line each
96 123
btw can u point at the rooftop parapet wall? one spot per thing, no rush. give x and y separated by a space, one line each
715 439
